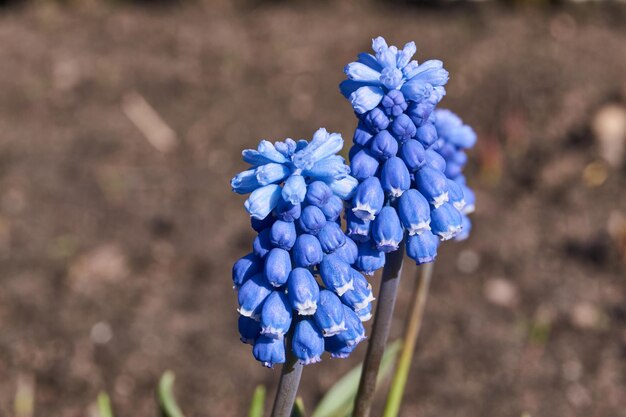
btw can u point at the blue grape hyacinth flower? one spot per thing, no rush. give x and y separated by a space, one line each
303 274
407 156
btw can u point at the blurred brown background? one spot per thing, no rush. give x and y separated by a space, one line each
121 125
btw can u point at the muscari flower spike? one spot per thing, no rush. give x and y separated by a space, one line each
407 156
304 274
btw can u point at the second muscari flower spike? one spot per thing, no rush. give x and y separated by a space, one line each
297 194
407 156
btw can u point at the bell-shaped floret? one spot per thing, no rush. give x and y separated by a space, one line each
337 348
358 229
277 267
434 160
433 185
303 291
331 237
261 224
283 234
376 120
413 155
422 248
308 342
393 104
363 165
333 208
365 98
370 259
361 295
271 173
466 228
365 314
252 294
395 178
355 332
245 268
322 146
294 189
330 317
419 112
262 244
348 252
384 145
318 193
344 188
470 200
445 221
307 251
269 351
335 273
287 212
249 330
414 212
387 230
362 136
276 315
330 168
455 194
368 199
312 220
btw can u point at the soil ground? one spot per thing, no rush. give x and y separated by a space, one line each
115 255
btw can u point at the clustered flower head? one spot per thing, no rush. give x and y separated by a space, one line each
302 276
406 156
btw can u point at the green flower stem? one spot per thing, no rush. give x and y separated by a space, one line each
380 331
290 376
411 331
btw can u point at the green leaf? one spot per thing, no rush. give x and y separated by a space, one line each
258 402
104 405
339 400
298 408
165 396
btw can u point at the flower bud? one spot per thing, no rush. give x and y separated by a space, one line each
413 155
245 182
434 160
344 188
376 120
466 228
332 167
329 316
403 128
277 267
394 177
393 104
245 268
368 199
251 296
426 135
361 296
294 189
455 194
470 200
318 193
445 221
384 145
363 165
331 237
337 348
303 291
333 208
348 252
271 173
433 185
335 273
365 313
357 229
283 234
308 342
386 230
370 259
249 330
312 220
422 248
365 98
414 212
287 212
419 112
362 136
322 146
453 169
263 200
261 224
276 315
355 332
264 154
262 244
269 351
307 251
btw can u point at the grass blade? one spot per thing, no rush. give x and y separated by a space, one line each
104 405
258 402
298 408
339 400
165 396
